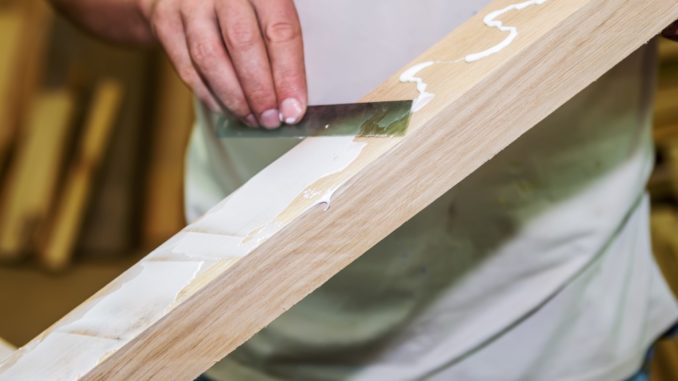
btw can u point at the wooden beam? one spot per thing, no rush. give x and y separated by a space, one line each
63 229
10 30
23 27
33 177
319 207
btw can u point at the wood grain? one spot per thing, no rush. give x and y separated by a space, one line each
65 226
211 287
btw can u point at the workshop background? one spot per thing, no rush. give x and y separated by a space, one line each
92 143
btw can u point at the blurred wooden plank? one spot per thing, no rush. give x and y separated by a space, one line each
665 135
23 30
65 226
10 31
668 50
33 176
666 106
665 363
659 184
112 222
670 152
664 222
173 118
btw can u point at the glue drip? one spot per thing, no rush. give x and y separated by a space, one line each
491 20
410 76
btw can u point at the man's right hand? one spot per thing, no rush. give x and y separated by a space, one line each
244 56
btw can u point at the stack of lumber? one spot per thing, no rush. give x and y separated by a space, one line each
91 142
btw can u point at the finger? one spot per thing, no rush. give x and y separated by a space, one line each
240 32
671 32
280 26
168 28
209 56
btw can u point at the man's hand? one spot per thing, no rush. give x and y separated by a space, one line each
245 56
671 32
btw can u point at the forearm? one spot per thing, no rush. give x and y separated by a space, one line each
114 20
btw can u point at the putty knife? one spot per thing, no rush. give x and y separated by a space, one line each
356 119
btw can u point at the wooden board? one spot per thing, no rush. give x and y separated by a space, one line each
319 207
32 179
668 51
666 106
23 27
164 191
664 222
65 226
663 366
10 29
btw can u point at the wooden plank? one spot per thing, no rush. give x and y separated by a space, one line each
173 118
212 286
32 179
10 30
23 27
113 221
664 223
668 50
666 107
66 224
670 152
664 366
665 135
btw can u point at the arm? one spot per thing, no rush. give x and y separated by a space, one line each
244 56
115 20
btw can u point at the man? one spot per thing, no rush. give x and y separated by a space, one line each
537 267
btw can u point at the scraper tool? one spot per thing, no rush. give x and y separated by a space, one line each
356 119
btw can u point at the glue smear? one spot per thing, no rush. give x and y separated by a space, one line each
492 21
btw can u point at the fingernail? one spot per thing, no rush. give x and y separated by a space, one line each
270 119
291 110
250 120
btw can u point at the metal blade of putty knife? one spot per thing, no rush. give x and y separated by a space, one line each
356 119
